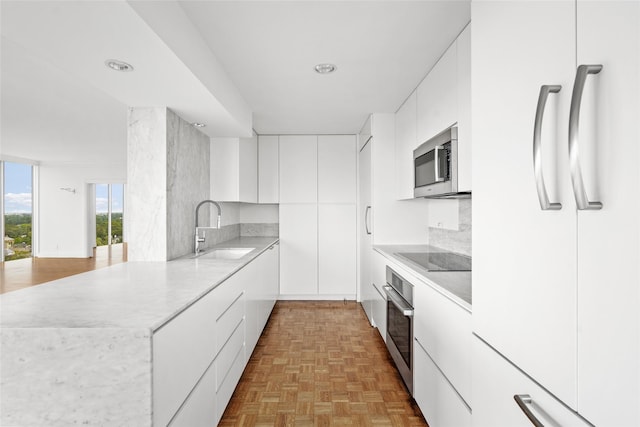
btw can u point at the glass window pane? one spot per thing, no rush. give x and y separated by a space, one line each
18 210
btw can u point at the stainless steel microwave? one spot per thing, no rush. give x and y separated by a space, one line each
436 166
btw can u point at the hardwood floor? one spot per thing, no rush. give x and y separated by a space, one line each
23 273
320 364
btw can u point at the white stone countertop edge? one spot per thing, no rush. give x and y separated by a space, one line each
127 295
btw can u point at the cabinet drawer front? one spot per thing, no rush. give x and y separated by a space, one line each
495 383
438 400
228 320
228 354
228 291
200 408
182 351
444 329
225 391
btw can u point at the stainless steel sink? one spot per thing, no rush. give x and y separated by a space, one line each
225 253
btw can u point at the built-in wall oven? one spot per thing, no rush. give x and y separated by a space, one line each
400 325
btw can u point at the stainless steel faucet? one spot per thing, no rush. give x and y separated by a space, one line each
199 239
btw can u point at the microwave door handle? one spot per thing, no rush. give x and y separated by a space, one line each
582 201
437 163
545 204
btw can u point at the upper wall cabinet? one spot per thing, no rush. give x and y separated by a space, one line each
298 169
437 103
405 144
234 169
442 99
268 160
336 169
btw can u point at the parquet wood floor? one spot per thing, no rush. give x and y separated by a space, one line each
23 273
321 364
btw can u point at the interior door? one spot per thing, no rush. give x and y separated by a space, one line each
524 267
609 239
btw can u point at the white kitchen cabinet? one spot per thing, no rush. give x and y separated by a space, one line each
438 400
444 329
437 97
251 277
234 169
364 229
379 305
298 160
556 292
267 292
463 51
268 169
405 143
496 382
337 250
200 409
609 239
298 249
179 358
337 164
199 356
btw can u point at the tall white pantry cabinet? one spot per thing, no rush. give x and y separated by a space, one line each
318 216
556 292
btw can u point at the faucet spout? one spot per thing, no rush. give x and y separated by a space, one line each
199 239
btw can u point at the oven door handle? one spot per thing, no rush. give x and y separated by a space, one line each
397 300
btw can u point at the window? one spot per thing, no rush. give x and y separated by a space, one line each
17 210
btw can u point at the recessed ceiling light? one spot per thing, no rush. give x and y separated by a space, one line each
325 68
116 65
198 125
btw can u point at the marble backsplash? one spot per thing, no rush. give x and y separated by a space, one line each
455 240
233 231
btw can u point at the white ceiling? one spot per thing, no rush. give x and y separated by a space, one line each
210 61
382 50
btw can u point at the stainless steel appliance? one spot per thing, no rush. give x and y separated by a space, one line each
400 325
436 167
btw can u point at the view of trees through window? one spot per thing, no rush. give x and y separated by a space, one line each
109 212
17 202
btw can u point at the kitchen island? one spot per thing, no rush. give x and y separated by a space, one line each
79 350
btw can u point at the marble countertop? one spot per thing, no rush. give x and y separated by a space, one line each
455 285
127 295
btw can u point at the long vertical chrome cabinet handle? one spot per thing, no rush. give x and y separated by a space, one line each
543 197
582 201
523 401
366 219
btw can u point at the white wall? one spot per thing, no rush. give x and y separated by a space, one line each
64 216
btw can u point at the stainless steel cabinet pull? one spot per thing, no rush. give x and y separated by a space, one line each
579 192
523 401
366 219
537 149
395 298
439 177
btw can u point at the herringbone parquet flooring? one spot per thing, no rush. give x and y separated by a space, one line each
320 364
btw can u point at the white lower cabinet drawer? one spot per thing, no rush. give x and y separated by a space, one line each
227 356
438 400
182 351
496 382
228 320
199 410
228 385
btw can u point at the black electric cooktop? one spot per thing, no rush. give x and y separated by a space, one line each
439 261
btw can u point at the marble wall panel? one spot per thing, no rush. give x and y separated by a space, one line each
47 372
147 184
455 240
187 183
